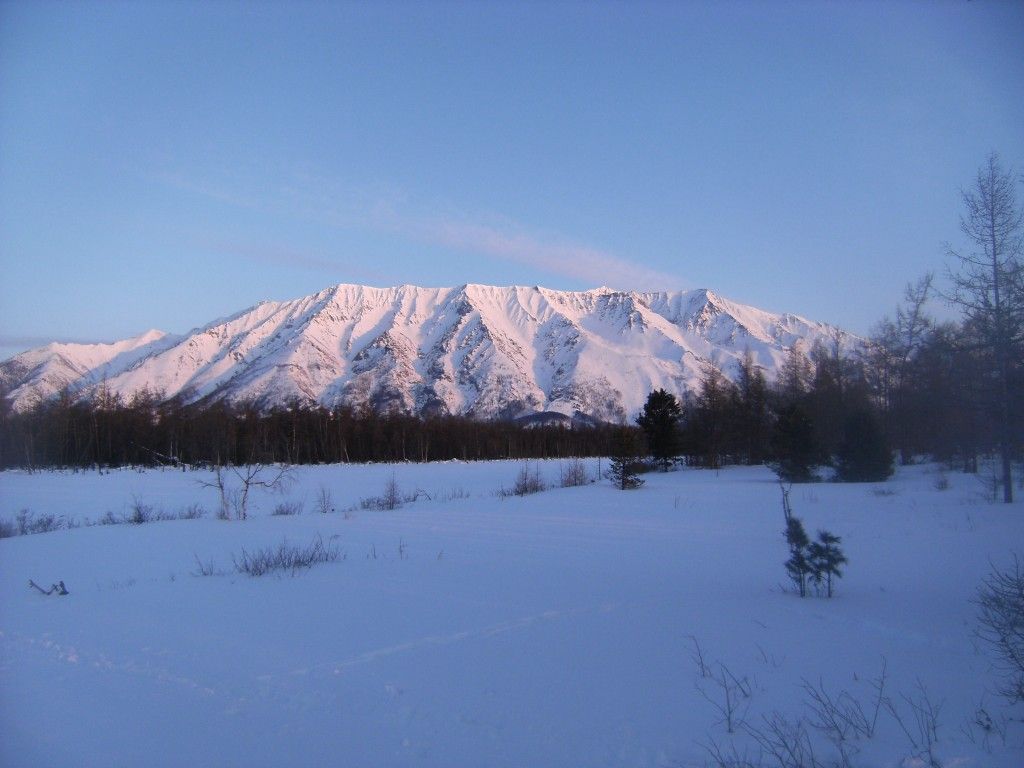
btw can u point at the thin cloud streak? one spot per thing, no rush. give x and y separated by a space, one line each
383 210
572 260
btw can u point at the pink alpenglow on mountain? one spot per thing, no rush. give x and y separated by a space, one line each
491 352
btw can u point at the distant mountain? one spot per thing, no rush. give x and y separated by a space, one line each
505 352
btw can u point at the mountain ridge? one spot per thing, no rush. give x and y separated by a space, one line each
477 350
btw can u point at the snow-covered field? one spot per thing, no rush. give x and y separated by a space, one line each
557 629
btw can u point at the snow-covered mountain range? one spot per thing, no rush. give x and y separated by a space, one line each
478 350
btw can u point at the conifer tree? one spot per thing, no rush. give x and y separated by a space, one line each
625 457
864 455
750 412
797 566
707 418
794 446
794 379
660 423
825 558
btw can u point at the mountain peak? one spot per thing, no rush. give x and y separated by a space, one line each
483 350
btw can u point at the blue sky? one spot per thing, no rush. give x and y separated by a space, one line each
163 164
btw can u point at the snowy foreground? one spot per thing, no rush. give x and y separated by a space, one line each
558 629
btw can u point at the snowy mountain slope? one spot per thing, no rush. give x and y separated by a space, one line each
474 349
45 371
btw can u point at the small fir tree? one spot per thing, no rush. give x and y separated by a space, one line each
625 459
798 566
825 558
817 561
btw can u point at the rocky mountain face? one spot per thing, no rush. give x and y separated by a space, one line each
490 352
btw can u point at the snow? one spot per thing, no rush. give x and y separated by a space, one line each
478 348
474 629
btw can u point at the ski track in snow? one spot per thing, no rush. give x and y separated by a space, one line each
455 637
150 669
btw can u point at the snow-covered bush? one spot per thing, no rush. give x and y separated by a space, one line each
287 509
324 502
526 483
1000 603
139 513
192 512
574 474
28 523
391 497
284 557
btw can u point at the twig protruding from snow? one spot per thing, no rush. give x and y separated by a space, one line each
56 589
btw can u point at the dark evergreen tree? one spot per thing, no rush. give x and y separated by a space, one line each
660 423
750 414
798 566
794 379
838 389
625 459
706 419
796 453
864 454
825 558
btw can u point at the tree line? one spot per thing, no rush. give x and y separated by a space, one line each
857 410
916 387
147 430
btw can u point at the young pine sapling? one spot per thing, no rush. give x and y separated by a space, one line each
798 566
819 561
825 558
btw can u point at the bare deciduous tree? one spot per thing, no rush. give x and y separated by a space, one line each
989 287
234 484
891 355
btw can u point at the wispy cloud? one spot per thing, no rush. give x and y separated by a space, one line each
303 195
223 193
550 254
